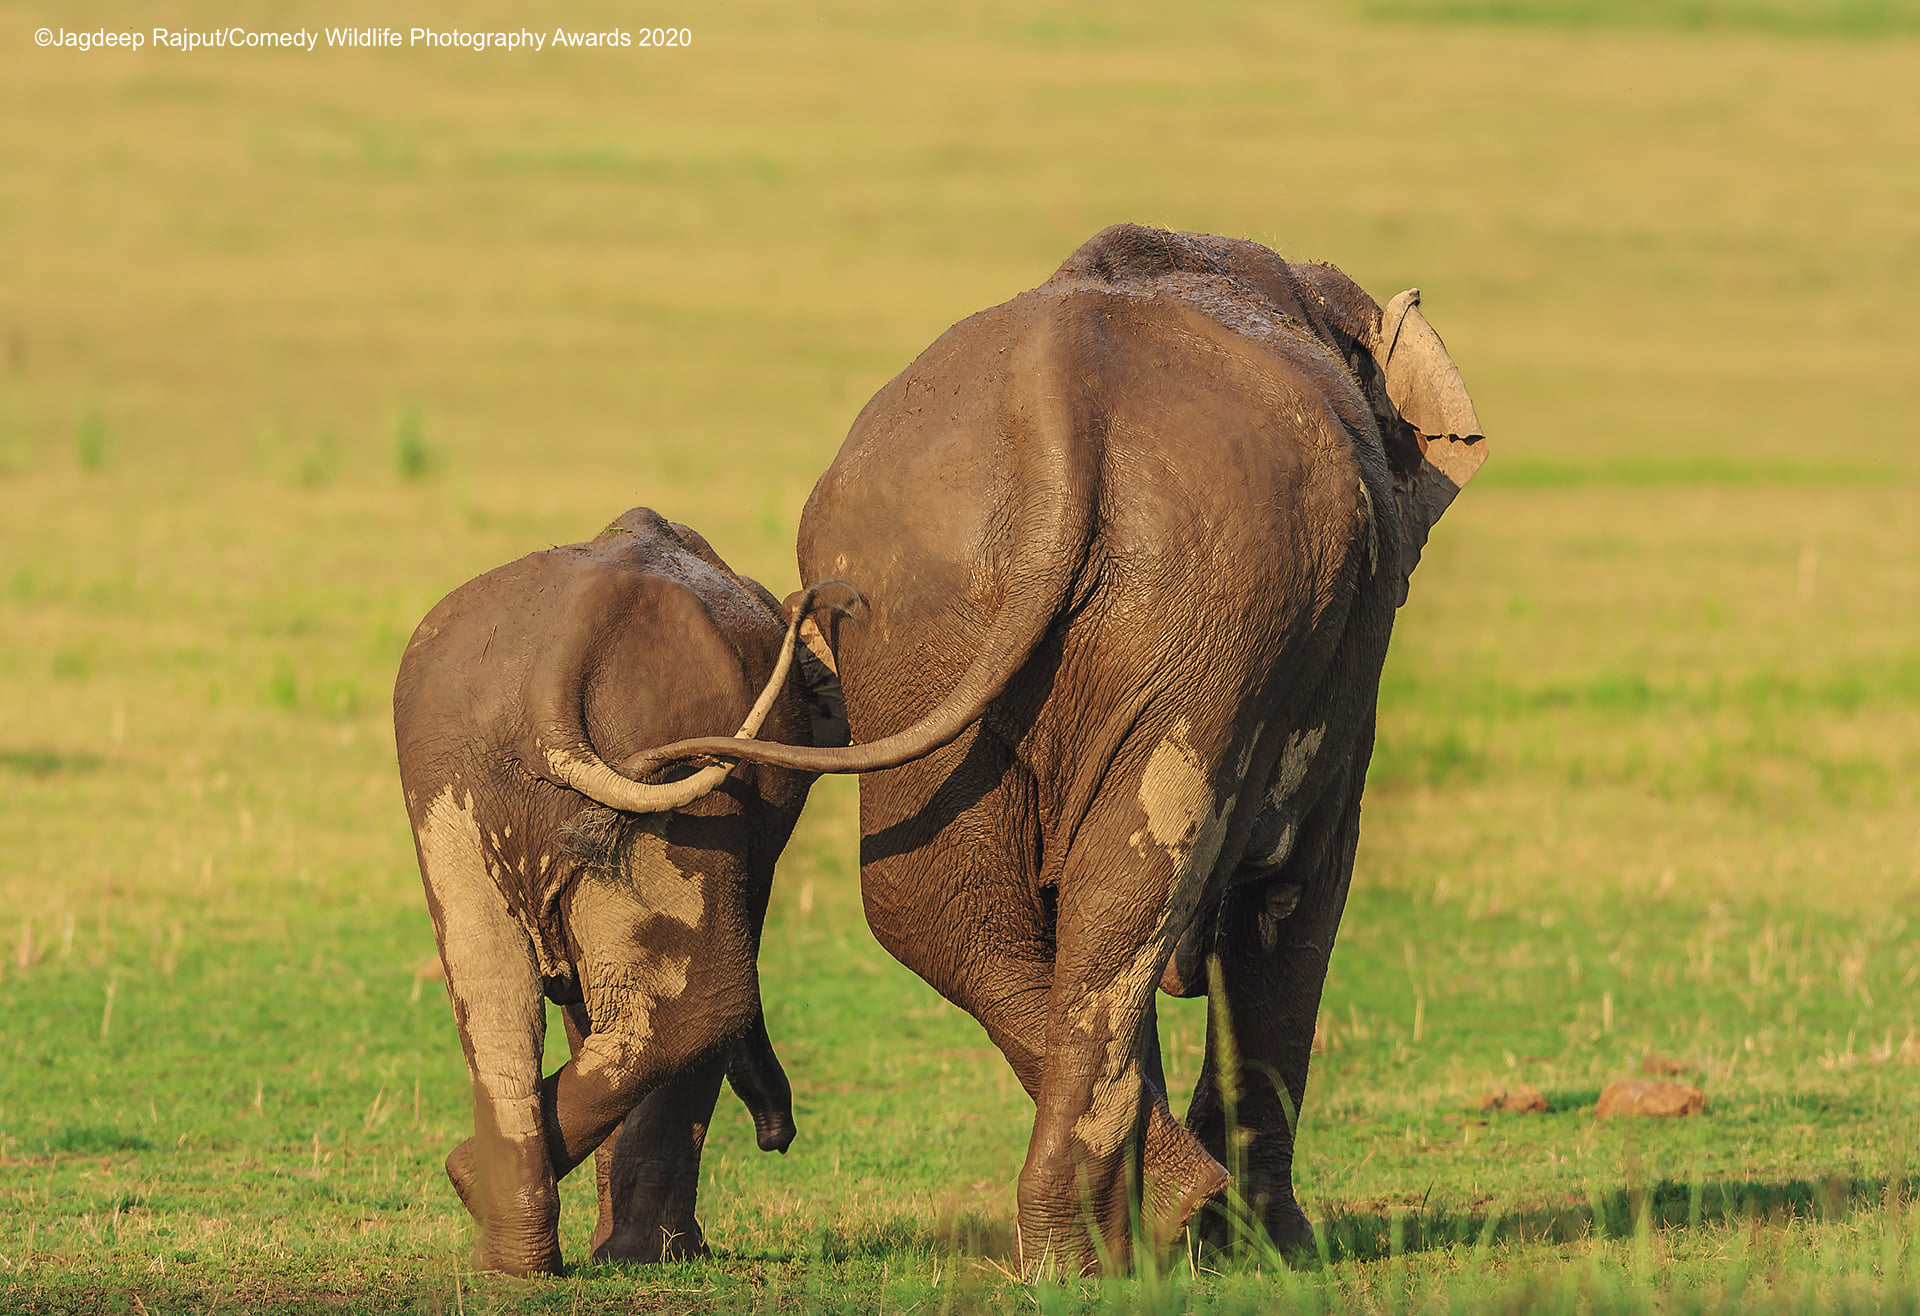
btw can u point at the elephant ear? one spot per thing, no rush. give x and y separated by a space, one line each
1440 445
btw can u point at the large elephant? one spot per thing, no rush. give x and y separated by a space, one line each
1133 544
636 907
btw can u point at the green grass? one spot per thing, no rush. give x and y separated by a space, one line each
291 346
215 1128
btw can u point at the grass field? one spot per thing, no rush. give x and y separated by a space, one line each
292 344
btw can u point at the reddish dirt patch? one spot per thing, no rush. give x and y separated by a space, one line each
1662 1098
1514 1101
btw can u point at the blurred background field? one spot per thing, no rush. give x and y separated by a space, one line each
292 344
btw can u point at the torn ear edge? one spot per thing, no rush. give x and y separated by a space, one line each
1410 448
1456 458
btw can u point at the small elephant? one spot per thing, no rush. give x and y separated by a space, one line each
1132 545
636 907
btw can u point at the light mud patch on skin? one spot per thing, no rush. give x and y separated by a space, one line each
1110 1114
622 991
1115 1012
1175 797
1278 825
1296 756
489 964
1188 823
615 962
659 884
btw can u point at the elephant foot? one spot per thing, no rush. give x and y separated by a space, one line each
1289 1228
757 1079
1284 1224
1073 1234
774 1130
651 1245
1174 1204
1055 1250
1182 1177
515 1209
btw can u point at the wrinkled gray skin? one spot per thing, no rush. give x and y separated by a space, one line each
635 907
1136 538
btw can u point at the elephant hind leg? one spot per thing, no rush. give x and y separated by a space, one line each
663 995
1005 976
1128 887
1078 1188
503 1173
647 1171
1010 996
1181 1175
653 1172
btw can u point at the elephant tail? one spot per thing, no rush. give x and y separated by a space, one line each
1049 528
582 769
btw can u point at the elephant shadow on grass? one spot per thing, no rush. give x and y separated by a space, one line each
1348 1234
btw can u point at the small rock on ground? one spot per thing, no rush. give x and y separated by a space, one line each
1514 1101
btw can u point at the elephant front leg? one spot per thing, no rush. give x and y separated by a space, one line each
757 1078
1271 961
